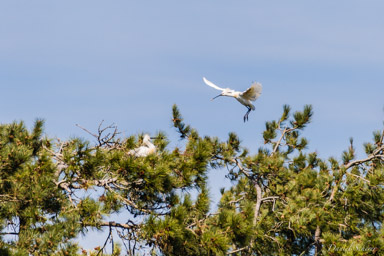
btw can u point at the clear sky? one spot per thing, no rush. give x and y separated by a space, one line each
126 62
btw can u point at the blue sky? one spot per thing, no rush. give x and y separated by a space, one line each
127 62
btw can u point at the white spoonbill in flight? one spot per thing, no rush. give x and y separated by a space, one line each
245 98
145 150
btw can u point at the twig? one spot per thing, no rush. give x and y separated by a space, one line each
127 201
274 239
237 250
237 162
9 233
237 200
357 176
270 198
93 134
201 220
109 235
100 137
62 184
119 225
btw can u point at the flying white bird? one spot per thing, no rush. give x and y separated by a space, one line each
245 98
145 150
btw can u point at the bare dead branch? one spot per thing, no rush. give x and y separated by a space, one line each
103 138
237 250
62 184
84 129
237 200
270 198
9 233
357 176
109 237
131 225
279 141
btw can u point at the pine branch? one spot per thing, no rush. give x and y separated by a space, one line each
238 164
190 226
375 155
126 200
8 198
275 240
178 123
301 119
259 197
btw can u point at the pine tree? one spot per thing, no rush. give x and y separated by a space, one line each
284 200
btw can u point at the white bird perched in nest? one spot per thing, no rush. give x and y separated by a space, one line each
245 98
145 150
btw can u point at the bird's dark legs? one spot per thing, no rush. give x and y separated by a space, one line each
246 114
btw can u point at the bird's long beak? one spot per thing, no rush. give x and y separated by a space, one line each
153 138
216 96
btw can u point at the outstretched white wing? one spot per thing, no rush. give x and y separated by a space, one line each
209 83
253 92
